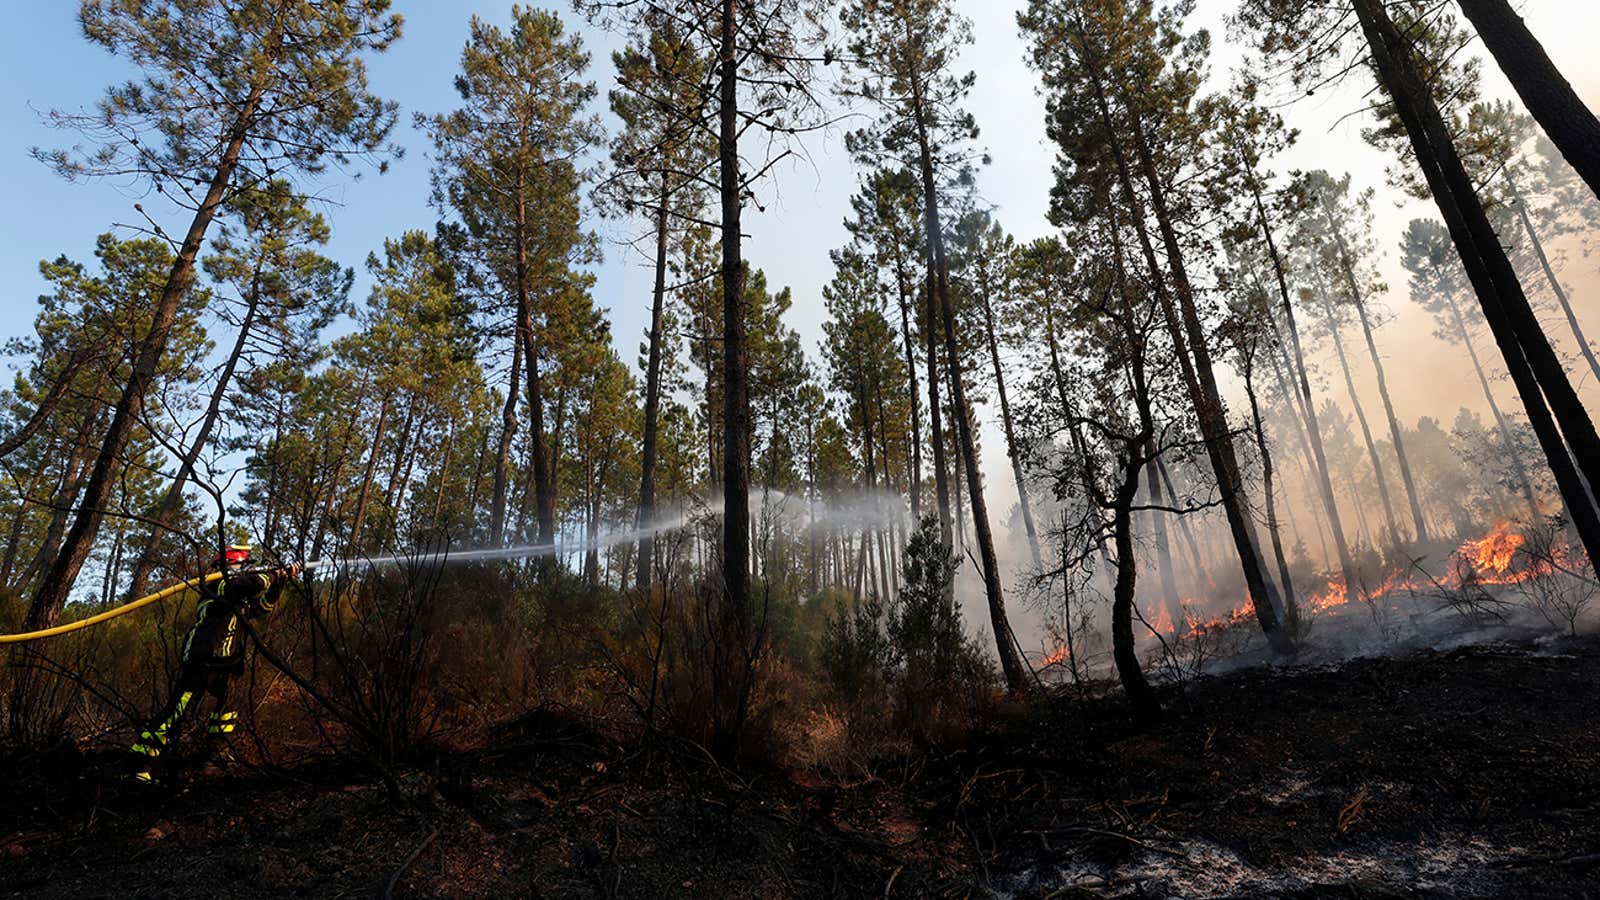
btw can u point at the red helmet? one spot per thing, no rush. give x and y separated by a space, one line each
236 555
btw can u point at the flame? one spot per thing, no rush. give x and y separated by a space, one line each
1056 658
1163 622
1335 594
1494 551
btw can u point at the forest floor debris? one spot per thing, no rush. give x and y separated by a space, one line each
1476 771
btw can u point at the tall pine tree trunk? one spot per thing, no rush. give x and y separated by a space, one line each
1347 568
1361 419
1533 366
736 638
1208 400
1571 125
367 478
903 282
941 471
172 502
1012 450
1290 606
508 434
544 500
1347 268
52 594
652 397
1124 651
1158 526
1395 432
1500 422
1016 674
1550 276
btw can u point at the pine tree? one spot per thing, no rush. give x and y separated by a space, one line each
903 56
509 165
231 94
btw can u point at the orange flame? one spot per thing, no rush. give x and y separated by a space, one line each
1494 552
1335 594
1059 657
1162 623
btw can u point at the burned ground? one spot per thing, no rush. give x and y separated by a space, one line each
1459 773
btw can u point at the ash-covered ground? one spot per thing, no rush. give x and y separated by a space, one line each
1464 771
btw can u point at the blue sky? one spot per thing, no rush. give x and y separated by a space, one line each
50 65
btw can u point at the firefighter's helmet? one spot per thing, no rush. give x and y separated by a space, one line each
234 557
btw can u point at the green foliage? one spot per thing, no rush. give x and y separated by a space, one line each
913 651
289 76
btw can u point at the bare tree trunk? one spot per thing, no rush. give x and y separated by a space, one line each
1383 386
1290 606
902 281
1529 358
1361 418
1572 127
366 479
45 609
1550 277
941 476
1010 431
508 433
1016 674
1190 541
652 397
737 628
1158 525
1146 707
1347 568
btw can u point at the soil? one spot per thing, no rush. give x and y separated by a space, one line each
1469 772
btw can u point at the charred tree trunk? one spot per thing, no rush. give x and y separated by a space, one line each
737 637
1572 127
1290 606
1529 358
1124 651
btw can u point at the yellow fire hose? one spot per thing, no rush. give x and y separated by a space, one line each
109 614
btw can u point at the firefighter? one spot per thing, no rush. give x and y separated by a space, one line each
213 653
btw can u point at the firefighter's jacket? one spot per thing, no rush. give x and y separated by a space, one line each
217 639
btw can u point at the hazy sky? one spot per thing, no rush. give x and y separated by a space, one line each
50 65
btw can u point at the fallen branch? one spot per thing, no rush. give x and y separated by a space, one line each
388 891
